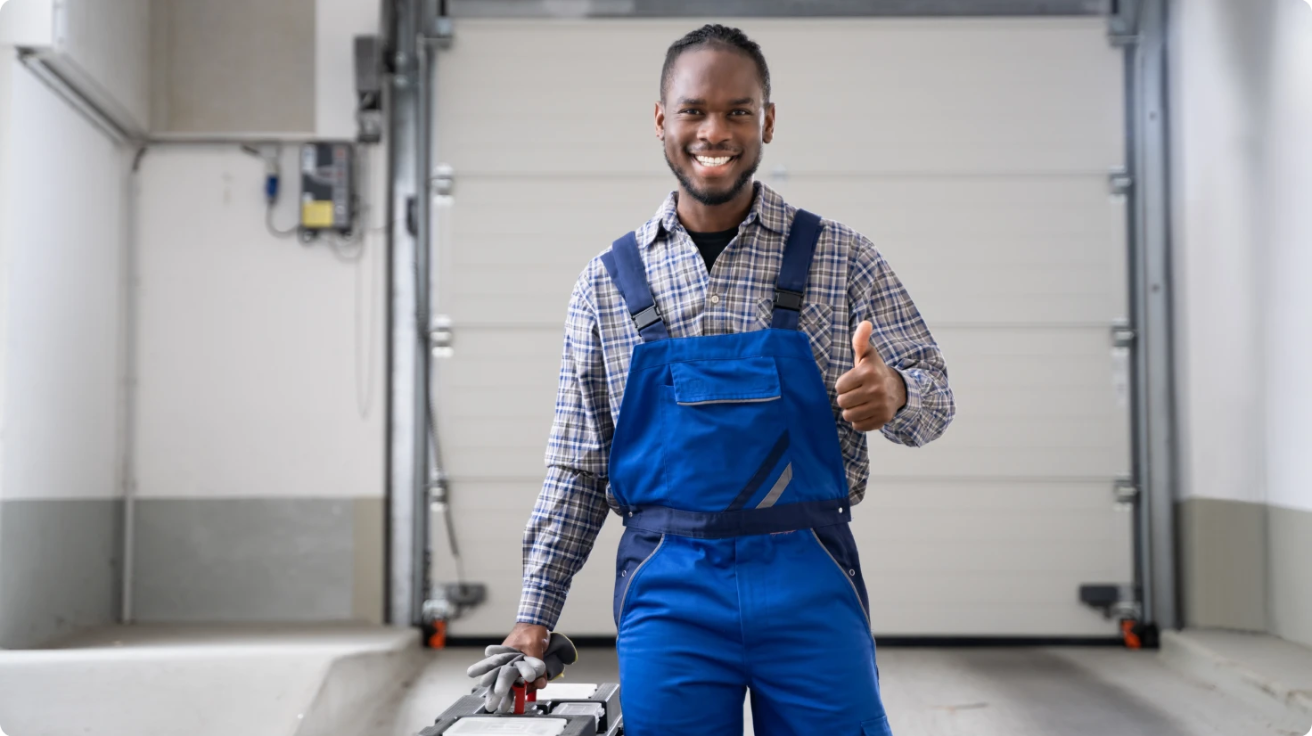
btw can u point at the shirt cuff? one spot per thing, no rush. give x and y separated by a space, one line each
906 416
540 606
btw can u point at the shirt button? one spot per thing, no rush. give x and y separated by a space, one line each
715 298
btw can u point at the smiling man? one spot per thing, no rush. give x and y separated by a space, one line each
721 366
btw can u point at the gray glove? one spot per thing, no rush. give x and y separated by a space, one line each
505 667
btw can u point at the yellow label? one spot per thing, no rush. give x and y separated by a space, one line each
317 214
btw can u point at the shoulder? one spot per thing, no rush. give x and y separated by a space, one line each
842 243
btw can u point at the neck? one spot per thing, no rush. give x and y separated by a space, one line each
702 218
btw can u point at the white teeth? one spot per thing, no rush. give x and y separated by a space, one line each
716 161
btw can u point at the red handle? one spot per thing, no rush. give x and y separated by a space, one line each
520 697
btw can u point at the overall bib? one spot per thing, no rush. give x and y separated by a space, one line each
737 569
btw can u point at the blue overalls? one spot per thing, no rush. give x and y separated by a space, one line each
737 568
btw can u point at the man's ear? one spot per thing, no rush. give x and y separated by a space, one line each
767 133
660 121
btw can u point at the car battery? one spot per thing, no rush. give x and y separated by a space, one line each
559 710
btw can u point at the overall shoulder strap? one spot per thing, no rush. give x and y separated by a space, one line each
624 264
791 286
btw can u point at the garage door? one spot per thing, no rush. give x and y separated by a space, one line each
974 152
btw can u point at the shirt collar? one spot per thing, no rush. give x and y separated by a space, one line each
768 209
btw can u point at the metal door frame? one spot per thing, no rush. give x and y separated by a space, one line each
1136 26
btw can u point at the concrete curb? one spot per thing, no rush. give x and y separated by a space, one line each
352 696
1288 705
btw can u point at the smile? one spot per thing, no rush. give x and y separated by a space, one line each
712 162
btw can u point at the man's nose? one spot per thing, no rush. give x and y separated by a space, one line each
714 130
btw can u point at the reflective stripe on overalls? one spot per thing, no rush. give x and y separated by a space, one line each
737 569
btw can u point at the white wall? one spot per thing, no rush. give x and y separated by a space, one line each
1241 75
1287 192
255 378
24 22
61 394
1242 156
102 47
261 361
63 248
1215 72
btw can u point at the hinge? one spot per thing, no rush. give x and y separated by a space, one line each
440 337
443 180
1126 493
1121 40
1120 182
1123 335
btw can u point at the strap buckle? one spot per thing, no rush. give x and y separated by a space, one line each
788 299
647 317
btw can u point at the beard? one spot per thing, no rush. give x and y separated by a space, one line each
709 198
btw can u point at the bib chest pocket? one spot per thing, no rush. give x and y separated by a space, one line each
725 430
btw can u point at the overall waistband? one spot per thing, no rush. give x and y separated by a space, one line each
740 523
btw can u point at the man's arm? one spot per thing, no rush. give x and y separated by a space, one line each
904 343
571 507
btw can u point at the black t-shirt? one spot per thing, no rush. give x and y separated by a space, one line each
712 244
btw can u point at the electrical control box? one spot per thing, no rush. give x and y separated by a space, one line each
327 186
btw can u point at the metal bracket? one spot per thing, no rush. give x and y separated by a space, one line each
1115 601
440 337
1120 182
1126 493
443 180
1123 335
1122 40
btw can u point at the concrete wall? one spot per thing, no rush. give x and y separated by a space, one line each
1241 109
259 429
61 338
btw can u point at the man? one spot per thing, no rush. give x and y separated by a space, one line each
721 365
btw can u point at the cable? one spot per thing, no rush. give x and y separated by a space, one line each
272 180
273 229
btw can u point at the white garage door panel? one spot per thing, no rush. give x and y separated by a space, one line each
989 620
974 153
976 557
896 96
490 518
511 249
1031 403
977 251
988 249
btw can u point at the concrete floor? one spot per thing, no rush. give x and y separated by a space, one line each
372 681
951 692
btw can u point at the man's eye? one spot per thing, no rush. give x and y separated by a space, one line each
689 111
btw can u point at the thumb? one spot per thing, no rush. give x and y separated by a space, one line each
861 342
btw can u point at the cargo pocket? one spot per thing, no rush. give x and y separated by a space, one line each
637 548
725 424
876 727
838 544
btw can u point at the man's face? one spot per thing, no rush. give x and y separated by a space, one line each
714 121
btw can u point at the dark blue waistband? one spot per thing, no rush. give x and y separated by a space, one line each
740 523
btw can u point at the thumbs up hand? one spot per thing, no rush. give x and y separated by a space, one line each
871 393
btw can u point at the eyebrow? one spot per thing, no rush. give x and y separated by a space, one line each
699 101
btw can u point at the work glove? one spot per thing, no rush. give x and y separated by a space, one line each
504 668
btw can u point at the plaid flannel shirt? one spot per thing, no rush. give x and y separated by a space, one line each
849 282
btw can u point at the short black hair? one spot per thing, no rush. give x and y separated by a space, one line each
714 34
